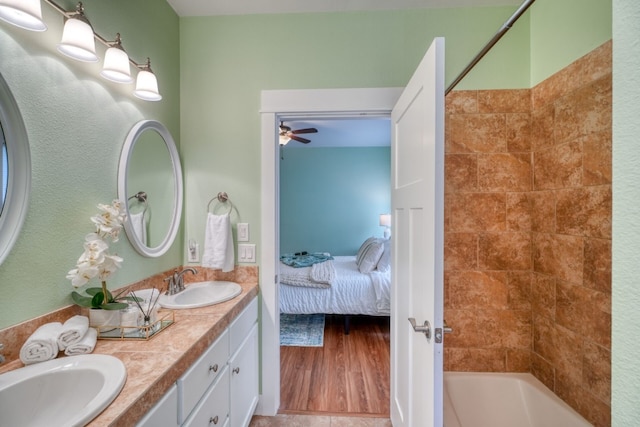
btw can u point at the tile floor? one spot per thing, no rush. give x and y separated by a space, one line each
317 421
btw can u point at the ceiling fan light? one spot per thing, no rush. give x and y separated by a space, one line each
147 86
77 40
116 66
26 14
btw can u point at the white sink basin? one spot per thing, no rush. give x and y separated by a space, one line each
68 391
201 294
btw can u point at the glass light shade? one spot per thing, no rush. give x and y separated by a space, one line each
147 86
77 41
26 14
116 66
284 140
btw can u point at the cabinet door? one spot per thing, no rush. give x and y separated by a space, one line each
164 413
243 367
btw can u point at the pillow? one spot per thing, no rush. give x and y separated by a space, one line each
364 247
384 263
370 256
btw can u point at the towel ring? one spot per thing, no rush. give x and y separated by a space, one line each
141 196
222 197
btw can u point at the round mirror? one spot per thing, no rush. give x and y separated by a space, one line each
15 170
150 182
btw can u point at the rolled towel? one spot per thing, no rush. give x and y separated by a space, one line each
72 331
85 345
42 345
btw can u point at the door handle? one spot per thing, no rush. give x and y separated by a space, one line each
424 328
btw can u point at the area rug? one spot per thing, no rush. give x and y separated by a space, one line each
302 330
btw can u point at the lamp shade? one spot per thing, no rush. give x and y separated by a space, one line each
116 66
26 14
385 220
77 40
147 86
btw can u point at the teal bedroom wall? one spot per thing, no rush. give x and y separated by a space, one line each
331 198
76 124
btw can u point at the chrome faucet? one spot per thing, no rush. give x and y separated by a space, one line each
176 281
1 356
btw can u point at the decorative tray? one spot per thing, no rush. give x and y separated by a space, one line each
137 333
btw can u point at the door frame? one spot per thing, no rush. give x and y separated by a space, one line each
292 104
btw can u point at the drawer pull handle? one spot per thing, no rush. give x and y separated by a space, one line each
214 368
236 370
213 420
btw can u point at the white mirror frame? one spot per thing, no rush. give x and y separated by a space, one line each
123 170
19 171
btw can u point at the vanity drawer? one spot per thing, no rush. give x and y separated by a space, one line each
213 409
241 326
194 382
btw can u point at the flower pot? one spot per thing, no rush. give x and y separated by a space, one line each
104 320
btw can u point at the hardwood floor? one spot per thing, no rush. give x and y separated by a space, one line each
348 375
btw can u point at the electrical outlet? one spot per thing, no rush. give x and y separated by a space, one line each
243 232
193 251
247 252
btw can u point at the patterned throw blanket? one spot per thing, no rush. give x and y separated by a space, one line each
319 275
305 259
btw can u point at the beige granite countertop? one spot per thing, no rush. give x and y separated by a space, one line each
152 365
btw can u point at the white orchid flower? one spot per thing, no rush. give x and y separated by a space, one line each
110 264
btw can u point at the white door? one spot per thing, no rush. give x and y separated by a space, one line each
417 185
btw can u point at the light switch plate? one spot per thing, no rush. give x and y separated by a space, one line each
243 232
247 252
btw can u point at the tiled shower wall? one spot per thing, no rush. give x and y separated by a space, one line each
528 232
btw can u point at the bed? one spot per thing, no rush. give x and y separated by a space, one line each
346 285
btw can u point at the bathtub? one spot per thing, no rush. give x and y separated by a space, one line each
503 400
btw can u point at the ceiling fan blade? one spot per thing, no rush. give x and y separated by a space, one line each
307 130
300 139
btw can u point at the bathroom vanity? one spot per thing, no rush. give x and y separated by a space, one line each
221 387
202 367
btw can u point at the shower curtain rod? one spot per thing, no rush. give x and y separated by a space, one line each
501 32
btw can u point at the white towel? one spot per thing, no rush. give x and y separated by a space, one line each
85 345
42 345
72 331
139 225
218 243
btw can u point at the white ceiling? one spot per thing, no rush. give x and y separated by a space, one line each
344 132
248 7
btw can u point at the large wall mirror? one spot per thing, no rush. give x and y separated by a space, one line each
15 171
150 182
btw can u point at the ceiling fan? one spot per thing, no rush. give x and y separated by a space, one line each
286 134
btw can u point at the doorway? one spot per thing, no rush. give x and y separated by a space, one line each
294 103
332 192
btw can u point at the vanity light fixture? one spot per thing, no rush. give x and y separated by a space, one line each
146 83
26 14
77 37
78 42
116 66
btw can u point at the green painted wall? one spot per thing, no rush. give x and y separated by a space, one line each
563 31
77 123
226 61
626 210
331 198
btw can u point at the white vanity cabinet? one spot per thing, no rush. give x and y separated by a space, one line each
164 413
243 366
221 388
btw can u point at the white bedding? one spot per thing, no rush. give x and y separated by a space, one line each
351 292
